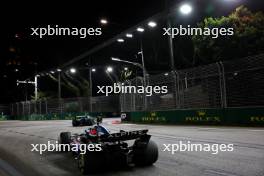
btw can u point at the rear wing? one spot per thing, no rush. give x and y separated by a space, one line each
125 135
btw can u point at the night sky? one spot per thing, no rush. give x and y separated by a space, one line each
30 55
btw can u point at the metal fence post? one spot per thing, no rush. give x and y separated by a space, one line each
174 74
29 108
46 105
90 103
23 108
40 107
17 111
11 109
178 89
35 107
223 84
220 84
145 98
80 104
186 81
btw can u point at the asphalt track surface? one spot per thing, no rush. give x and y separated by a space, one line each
247 159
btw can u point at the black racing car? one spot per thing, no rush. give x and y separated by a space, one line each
115 152
85 120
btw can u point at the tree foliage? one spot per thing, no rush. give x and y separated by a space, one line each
248 38
125 75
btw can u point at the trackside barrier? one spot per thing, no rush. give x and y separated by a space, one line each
3 117
62 116
226 116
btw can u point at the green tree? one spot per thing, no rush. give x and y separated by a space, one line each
44 95
248 38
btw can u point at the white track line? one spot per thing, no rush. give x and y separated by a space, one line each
219 173
257 130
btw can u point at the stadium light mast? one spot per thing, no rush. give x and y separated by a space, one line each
184 9
125 61
142 66
35 83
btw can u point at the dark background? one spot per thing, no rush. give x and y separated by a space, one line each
31 55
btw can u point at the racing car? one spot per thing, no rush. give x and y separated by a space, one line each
115 150
83 121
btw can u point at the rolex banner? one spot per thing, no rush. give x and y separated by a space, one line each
229 116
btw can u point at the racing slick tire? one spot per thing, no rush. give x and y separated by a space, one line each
146 156
65 137
75 123
91 162
90 122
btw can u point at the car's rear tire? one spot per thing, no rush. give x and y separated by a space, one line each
92 162
90 122
147 155
75 123
65 137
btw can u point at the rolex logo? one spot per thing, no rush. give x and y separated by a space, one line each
201 113
153 114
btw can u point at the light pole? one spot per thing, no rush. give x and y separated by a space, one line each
141 30
35 83
142 66
110 70
36 88
184 9
59 83
91 70
129 62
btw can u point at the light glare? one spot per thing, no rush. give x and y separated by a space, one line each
140 29
185 9
129 35
109 69
73 70
103 21
152 24
120 40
